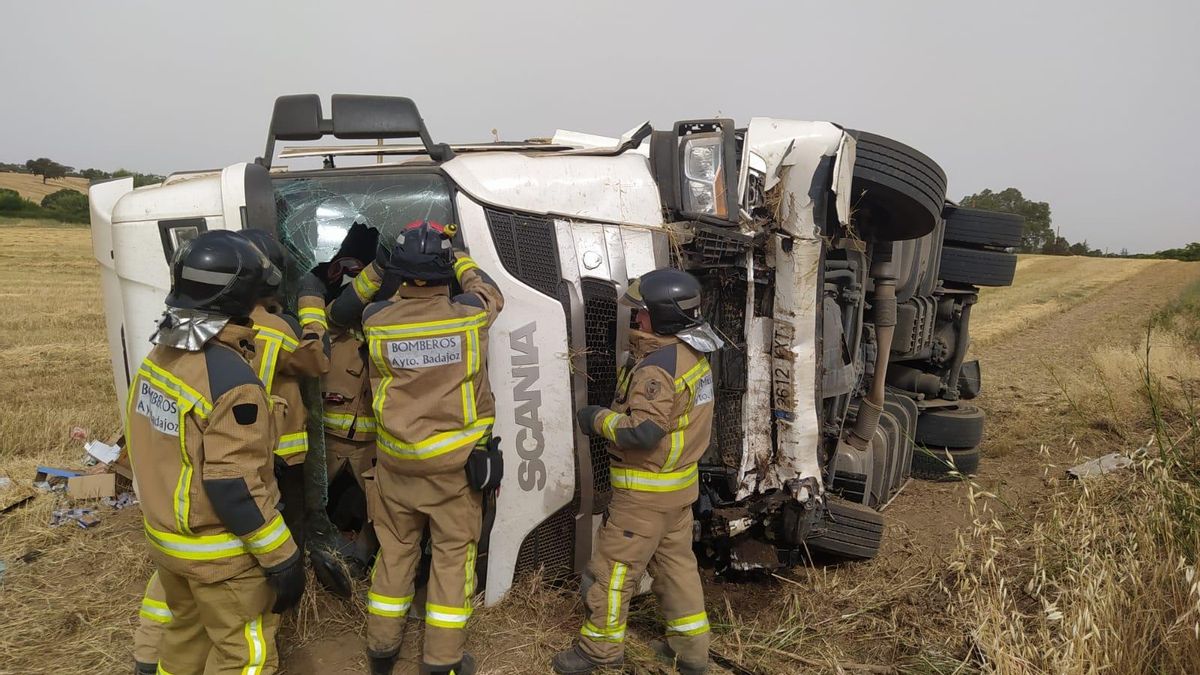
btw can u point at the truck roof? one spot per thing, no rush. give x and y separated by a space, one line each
418 149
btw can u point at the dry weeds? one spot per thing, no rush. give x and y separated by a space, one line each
31 187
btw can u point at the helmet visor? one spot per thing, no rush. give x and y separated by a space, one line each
633 295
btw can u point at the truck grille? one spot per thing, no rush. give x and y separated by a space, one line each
550 547
725 308
600 318
528 248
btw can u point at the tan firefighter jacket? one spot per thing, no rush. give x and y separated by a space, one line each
346 388
661 421
428 353
284 352
200 435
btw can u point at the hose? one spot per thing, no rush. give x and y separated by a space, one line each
884 306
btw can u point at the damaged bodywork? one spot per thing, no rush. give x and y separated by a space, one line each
818 251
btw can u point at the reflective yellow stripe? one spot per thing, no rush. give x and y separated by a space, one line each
161 671
650 481
195 547
291 444
469 584
694 624
155 610
462 265
169 381
313 315
269 537
433 446
693 375
468 385
183 487
269 348
446 617
383 605
676 444
364 286
288 342
256 647
347 421
426 328
615 634
609 426
615 584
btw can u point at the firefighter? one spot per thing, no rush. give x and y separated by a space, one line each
287 349
435 455
658 427
153 616
349 420
200 434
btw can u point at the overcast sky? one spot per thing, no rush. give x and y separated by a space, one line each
1091 106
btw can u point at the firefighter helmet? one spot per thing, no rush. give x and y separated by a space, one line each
220 272
423 253
671 297
266 242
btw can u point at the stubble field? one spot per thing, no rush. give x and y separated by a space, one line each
1015 570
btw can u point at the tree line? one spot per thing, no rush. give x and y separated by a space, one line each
66 205
1040 236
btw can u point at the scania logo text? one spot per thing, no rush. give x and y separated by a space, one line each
530 440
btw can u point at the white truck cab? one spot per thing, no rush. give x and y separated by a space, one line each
789 226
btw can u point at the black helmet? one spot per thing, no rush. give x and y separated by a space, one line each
220 272
670 296
266 242
423 252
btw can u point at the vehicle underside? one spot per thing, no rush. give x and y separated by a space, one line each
840 278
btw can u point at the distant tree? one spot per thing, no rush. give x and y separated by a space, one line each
1081 248
94 174
13 204
139 179
67 204
47 168
1056 246
1189 253
1038 233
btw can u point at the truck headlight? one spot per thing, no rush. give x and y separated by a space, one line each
704 175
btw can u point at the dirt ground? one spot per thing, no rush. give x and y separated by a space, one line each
68 599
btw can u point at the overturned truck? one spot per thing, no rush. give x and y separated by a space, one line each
832 264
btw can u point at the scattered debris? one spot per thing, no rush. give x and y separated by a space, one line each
92 486
51 479
79 434
103 452
84 518
1099 466
3 569
30 556
13 495
120 501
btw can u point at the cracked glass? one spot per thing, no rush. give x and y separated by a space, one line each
316 211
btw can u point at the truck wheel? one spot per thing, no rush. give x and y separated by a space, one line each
977 267
960 427
847 530
902 189
983 228
937 463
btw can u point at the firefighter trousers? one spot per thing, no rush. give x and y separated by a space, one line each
632 541
221 628
400 508
153 616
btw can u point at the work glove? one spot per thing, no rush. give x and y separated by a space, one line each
586 417
287 581
311 285
280 467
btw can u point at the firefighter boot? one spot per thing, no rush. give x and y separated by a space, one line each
667 655
140 668
574 662
382 662
464 667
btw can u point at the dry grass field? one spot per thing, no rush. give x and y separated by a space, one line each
32 188
1014 571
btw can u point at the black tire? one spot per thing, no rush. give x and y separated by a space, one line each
935 463
983 228
902 189
977 267
960 427
847 530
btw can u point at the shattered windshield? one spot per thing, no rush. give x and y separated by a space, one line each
316 212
